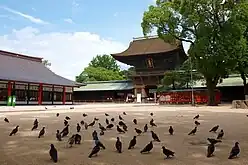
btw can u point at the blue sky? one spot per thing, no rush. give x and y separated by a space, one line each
69 33
115 19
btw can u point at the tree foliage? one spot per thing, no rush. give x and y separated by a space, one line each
104 61
181 77
214 28
98 74
46 63
101 68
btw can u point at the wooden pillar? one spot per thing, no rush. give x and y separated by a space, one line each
72 95
40 92
64 95
52 94
28 93
9 88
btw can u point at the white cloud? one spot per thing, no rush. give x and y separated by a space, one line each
68 20
29 17
69 53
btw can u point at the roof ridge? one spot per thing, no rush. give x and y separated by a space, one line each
21 56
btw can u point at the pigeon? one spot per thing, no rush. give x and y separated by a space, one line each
35 122
78 139
147 148
101 127
57 114
85 126
67 118
106 114
71 141
110 126
34 127
155 136
145 128
42 132
221 134
151 114
107 121
82 122
92 124
193 131
197 123
6 120
235 151
210 150
78 127
124 127
171 130
14 131
120 118
65 122
121 123
132 143
84 115
124 113
118 145
53 153
58 136
94 135
112 119
138 131
95 150
45 107
71 107
152 123
196 117
135 121
120 130
214 129
101 133
65 131
213 141
96 119
167 152
101 145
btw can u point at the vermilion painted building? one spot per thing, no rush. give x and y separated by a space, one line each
31 82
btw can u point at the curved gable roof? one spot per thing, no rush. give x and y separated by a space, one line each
151 45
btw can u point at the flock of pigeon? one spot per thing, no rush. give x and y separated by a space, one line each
121 127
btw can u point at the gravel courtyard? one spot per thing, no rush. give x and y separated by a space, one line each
26 149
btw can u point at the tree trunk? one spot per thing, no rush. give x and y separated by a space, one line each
173 85
211 84
244 83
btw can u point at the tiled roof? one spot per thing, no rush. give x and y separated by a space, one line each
17 67
106 86
148 46
232 80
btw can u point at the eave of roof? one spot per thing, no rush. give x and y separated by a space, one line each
152 45
22 68
106 86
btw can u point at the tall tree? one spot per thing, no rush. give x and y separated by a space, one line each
213 28
101 68
104 61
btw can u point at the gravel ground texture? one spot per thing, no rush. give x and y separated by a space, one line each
25 148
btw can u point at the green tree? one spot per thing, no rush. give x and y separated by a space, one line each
127 73
181 77
98 74
46 63
104 61
101 68
213 28
242 65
